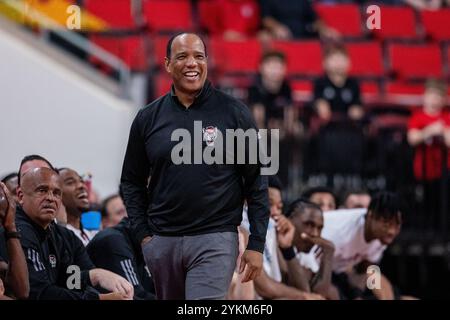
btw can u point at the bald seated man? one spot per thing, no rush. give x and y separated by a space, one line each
58 264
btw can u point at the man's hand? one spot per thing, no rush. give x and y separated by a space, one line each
145 240
112 282
112 296
309 296
251 262
285 232
324 246
8 219
434 129
2 288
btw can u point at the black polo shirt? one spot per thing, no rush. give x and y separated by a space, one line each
339 98
114 249
190 199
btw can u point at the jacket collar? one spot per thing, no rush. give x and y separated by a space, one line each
200 97
42 233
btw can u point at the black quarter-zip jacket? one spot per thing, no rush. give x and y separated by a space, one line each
190 199
49 253
114 249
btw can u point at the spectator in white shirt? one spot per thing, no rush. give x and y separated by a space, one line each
360 237
314 253
76 201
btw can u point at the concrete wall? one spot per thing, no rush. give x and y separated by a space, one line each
48 109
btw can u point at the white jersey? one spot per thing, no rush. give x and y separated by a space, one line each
270 257
345 228
85 236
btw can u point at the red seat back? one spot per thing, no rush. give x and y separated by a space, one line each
303 57
346 18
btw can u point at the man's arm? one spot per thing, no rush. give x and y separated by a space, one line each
17 274
296 275
42 288
133 183
271 289
321 281
112 253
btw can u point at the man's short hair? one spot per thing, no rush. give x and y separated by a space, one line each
386 205
299 206
273 54
31 158
333 49
358 192
105 202
275 182
436 84
9 176
169 43
307 194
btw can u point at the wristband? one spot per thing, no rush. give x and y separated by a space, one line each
288 253
12 235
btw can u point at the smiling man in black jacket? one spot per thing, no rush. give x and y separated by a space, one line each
186 217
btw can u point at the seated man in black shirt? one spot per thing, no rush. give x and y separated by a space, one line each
58 264
116 249
336 93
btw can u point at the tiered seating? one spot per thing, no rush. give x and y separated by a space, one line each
409 48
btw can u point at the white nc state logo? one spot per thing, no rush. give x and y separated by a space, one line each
209 135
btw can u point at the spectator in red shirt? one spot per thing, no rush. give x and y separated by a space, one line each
429 134
426 131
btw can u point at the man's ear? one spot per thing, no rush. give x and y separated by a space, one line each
166 64
20 195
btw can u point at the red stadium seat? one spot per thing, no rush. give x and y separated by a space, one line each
415 61
236 56
168 15
130 49
117 13
304 57
302 90
346 18
369 90
436 23
367 59
208 17
396 23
